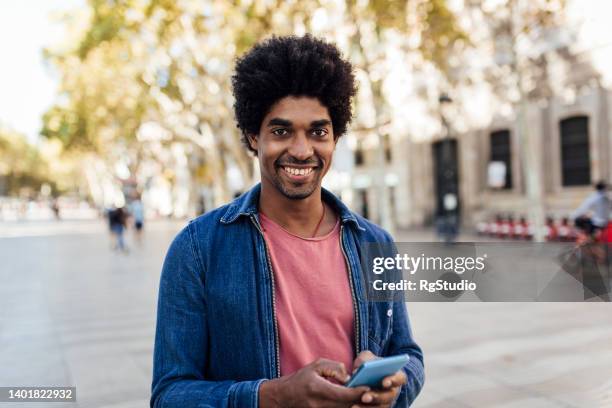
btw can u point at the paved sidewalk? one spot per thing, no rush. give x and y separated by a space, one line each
515 354
73 312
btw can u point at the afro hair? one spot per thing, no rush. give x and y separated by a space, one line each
292 66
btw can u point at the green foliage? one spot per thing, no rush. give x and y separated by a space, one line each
440 33
437 24
258 24
170 11
108 21
389 13
69 127
22 168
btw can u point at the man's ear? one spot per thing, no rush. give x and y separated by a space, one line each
252 138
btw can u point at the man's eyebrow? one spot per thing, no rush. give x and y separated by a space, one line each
320 123
279 122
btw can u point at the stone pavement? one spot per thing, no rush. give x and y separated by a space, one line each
515 354
73 312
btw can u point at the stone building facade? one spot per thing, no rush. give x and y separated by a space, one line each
573 147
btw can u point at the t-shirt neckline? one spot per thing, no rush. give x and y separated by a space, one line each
278 226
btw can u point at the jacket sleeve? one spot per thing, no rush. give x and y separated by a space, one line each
180 352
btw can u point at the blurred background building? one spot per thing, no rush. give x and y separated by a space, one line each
573 152
487 106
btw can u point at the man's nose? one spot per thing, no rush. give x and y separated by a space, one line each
300 147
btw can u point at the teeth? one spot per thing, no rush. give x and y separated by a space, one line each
297 172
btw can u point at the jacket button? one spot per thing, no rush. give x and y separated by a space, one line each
390 312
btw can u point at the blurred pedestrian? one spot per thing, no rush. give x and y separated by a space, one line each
594 212
118 221
447 220
137 212
56 209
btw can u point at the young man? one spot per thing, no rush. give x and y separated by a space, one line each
262 301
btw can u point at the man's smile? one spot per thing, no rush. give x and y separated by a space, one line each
296 173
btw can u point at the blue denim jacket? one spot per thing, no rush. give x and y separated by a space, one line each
217 337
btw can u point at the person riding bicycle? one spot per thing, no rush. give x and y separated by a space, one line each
597 205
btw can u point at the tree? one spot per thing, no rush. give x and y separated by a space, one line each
437 33
167 65
527 37
23 170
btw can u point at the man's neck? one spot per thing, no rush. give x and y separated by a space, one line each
300 216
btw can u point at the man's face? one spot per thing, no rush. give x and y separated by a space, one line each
295 146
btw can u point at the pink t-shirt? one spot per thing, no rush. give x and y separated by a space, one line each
314 306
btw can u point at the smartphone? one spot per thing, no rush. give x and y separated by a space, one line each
371 373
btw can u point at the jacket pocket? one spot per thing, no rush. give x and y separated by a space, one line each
374 345
380 324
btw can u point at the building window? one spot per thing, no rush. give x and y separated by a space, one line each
575 159
501 152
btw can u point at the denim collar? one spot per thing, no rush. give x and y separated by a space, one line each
247 205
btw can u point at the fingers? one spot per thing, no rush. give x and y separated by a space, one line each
359 396
396 380
379 398
331 369
362 357
384 397
339 393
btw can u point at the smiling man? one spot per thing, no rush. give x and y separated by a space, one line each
262 301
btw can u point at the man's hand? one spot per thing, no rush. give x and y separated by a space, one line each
311 387
391 385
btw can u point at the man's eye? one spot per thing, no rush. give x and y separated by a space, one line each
280 132
319 132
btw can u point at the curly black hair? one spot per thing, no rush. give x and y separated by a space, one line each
296 66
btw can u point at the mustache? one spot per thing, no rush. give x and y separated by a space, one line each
287 161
